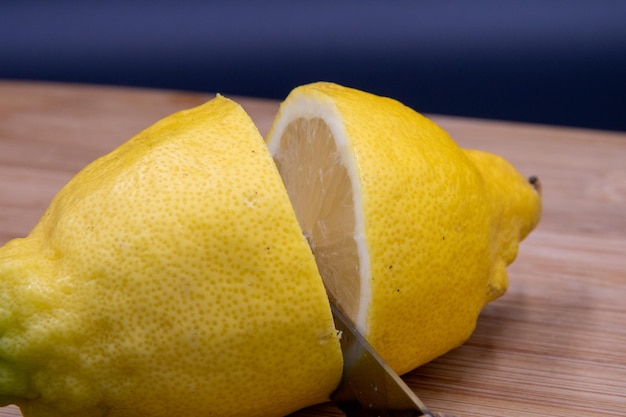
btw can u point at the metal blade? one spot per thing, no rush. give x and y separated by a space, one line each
369 387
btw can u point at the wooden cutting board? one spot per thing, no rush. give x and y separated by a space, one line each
554 345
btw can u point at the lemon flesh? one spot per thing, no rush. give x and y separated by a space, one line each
169 277
412 234
321 191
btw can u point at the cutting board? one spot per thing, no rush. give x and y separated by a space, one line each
554 345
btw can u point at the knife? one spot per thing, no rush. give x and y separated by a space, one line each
369 387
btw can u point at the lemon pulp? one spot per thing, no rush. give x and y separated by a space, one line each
320 190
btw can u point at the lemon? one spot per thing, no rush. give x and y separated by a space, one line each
188 271
411 233
169 277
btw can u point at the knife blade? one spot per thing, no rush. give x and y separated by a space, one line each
369 387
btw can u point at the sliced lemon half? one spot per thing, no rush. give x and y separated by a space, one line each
403 224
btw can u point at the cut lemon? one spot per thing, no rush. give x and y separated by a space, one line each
172 276
405 228
169 277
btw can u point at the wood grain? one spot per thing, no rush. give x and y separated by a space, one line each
554 345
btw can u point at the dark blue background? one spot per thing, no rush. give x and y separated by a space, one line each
557 62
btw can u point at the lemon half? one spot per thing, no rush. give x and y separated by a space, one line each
169 277
406 227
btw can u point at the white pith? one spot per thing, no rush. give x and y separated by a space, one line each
323 108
